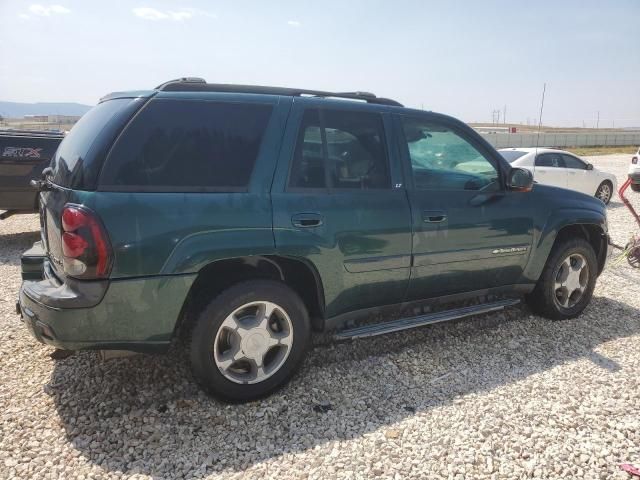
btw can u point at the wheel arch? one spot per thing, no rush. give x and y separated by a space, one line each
212 279
592 233
570 223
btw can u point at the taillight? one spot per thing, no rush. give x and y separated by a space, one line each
634 160
85 246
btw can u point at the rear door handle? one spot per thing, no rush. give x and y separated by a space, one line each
433 216
306 220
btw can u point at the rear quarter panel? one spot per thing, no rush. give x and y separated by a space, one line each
169 233
177 233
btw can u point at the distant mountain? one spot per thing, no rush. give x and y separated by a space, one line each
17 109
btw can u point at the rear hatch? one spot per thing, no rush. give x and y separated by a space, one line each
76 166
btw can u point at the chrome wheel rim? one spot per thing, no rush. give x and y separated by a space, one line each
571 280
604 192
253 342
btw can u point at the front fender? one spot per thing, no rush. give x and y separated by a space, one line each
555 222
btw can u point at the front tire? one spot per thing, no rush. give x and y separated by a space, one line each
249 340
605 192
635 187
566 285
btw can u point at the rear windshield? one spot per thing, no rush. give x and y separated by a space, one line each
512 155
185 146
78 159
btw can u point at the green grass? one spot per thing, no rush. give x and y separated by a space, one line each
602 150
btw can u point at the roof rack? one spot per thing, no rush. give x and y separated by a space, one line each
195 84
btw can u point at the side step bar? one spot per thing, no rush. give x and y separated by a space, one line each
420 320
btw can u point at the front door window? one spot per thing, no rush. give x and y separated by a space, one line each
443 160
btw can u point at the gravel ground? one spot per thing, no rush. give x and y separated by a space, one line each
508 395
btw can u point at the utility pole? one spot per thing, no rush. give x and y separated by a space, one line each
495 117
598 121
504 116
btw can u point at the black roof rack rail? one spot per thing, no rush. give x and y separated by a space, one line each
195 84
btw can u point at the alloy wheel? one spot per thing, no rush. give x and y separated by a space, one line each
604 192
253 342
571 280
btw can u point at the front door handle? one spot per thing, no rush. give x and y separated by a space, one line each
306 220
433 216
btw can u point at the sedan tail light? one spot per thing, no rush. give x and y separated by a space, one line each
85 245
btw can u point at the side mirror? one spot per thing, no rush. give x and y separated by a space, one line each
520 180
589 166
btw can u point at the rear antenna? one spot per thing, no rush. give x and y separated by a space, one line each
544 89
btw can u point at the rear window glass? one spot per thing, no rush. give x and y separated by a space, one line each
512 155
183 145
73 159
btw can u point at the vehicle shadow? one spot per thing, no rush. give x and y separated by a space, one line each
614 204
145 414
13 244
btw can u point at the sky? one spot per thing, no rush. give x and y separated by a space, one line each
466 59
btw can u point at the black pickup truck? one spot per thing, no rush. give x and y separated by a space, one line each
23 156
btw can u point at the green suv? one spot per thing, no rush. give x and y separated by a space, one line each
244 218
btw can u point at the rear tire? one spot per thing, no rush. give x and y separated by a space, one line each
566 285
249 340
605 192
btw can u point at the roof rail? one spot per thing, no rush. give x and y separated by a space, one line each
180 81
194 84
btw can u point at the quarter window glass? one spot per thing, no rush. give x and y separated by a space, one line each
443 160
71 160
340 150
185 145
573 162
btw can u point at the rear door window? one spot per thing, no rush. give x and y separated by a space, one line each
340 149
187 145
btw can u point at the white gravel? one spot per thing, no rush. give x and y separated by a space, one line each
501 396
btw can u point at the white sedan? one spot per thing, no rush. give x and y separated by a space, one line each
562 169
634 171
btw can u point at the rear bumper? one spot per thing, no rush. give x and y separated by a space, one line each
131 314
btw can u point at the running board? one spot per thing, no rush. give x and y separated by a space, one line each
420 320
